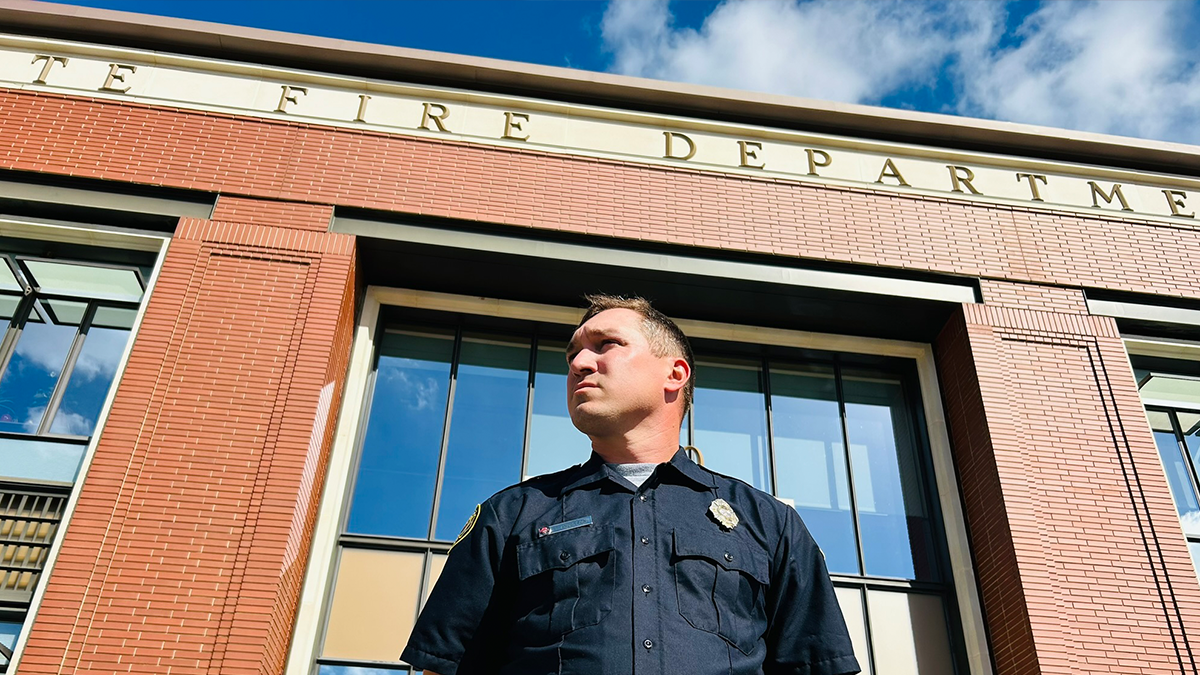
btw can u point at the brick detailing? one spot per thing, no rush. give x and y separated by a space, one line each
284 160
1079 553
274 213
186 551
1033 296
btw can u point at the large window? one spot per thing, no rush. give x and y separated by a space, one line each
68 318
459 408
1171 391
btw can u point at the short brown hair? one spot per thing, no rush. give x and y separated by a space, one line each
664 336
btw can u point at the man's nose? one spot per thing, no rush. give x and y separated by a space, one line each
583 362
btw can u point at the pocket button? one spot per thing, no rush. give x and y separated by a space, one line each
728 557
564 556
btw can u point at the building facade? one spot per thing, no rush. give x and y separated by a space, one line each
282 310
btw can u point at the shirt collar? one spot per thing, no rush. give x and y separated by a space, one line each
680 466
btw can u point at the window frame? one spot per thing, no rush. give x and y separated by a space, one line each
32 303
947 507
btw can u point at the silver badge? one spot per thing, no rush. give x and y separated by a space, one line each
723 513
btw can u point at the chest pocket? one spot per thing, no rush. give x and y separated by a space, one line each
567 580
721 585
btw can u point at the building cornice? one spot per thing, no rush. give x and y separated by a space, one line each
345 57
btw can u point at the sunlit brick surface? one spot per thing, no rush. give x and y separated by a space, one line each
1080 556
186 551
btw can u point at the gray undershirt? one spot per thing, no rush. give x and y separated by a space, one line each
634 473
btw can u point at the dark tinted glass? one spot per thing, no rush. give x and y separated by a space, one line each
393 493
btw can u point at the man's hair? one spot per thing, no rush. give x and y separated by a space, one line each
664 336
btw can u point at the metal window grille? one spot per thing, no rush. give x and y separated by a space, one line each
29 519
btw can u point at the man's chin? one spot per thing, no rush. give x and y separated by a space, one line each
591 422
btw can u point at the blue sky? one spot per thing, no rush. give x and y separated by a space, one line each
1121 67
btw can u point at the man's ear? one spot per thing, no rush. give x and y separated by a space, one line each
680 373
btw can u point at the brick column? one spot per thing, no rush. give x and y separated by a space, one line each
1081 560
187 549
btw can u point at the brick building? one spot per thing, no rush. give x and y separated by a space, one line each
283 309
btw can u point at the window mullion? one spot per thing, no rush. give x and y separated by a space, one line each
64 377
441 469
766 385
1181 442
533 356
858 540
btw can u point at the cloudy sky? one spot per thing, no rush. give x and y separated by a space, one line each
1130 68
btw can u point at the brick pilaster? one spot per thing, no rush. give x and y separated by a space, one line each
1081 561
188 546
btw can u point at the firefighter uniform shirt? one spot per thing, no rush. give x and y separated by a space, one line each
691 573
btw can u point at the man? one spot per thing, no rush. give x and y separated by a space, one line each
638 561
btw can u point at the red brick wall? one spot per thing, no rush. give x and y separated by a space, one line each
1081 560
187 548
304 163
275 213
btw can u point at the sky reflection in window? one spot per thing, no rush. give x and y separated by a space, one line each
731 422
487 428
393 493
811 460
897 535
554 442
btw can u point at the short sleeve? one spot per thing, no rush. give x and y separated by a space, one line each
807 633
457 630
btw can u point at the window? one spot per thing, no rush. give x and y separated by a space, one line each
1172 398
68 320
461 407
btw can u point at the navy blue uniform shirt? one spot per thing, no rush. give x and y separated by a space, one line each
580 572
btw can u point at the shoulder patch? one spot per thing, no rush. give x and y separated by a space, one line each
467 528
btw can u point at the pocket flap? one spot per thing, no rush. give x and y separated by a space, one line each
724 550
561 550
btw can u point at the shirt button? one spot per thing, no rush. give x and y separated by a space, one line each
643 498
728 557
645 541
564 556
646 588
648 644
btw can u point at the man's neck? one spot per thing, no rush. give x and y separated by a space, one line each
635 448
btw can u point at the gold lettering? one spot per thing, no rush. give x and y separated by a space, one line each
671 135
749 150
50 61
1108 198
362 108
512 122
115 75
826 160
960 176
289 95
1033 178
890 171
1175 199
438 119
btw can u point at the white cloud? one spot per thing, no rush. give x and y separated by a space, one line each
415 390
1114 67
